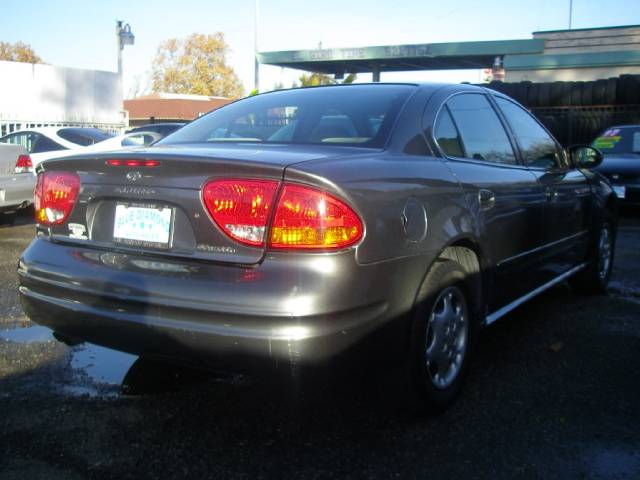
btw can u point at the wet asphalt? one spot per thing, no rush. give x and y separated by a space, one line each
554 392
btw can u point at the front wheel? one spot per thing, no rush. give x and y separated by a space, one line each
442 336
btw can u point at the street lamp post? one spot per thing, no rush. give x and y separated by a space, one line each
124 36
256 66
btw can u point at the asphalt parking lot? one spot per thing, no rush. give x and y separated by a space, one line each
554 392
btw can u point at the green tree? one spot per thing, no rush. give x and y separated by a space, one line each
18 52
197 65
316 79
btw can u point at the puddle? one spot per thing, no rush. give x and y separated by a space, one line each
35 334
99 371
95 370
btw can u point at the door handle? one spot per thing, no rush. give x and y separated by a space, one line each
552 194
487 199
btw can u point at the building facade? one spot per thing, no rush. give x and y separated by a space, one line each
38 95
587 54
170 107
579 55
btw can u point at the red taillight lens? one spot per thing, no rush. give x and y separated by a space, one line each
241 207
55 195
309 218
24 164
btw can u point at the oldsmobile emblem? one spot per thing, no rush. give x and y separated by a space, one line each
134 176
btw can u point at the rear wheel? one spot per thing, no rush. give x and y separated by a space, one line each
595 278
442 336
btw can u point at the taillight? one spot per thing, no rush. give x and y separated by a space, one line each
24 164
309 218
304 217
241 207
55 195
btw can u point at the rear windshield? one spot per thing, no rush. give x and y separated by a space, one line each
619 140
356 115
83 136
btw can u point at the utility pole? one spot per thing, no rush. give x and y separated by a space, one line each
256 80
570 12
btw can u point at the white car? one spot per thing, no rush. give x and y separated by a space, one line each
43 143
127 140
16 181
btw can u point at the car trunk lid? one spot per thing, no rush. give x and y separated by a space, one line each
129 197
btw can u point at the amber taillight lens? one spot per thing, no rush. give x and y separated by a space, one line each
307 218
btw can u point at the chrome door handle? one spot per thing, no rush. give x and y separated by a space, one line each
552 194
487 199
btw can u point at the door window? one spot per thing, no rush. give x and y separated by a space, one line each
538 148
482 134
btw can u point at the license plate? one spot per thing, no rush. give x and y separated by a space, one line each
142 226
620 190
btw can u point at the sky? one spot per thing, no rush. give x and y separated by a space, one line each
81 33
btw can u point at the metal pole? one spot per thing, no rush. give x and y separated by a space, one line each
256 80
570 12
119 44
120 47
375 73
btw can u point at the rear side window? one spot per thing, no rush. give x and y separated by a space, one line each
447 135
26 139
482 134
83 136
538 148
45 144
619 140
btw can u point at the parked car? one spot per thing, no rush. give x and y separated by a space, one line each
293 225
126 140
16 181
621 165
44 143
163 129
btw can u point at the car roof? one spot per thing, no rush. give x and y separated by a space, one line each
433 86
161 124
43 130
50 132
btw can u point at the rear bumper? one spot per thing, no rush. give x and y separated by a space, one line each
16 191
290 307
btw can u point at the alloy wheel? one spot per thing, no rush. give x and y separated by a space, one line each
447 337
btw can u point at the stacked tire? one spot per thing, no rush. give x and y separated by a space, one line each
622 90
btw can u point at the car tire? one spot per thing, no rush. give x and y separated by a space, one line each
8 218
442 335
587 94
593 280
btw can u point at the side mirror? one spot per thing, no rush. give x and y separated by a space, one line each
583 156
